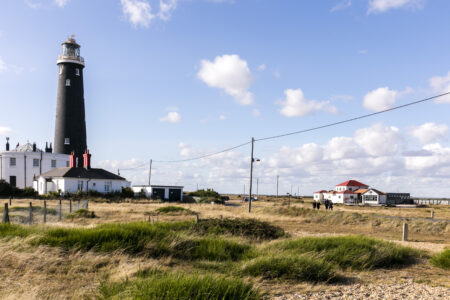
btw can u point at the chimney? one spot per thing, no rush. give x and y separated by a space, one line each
72 160
34 147
50 150
87 160
7 144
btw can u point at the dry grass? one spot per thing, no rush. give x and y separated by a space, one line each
36 272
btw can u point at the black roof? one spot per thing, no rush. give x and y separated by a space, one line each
81 173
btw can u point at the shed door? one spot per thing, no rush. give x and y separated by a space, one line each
158 193
12 181
174 194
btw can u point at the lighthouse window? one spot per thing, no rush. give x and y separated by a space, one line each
67 141
60 70
67 82
77 72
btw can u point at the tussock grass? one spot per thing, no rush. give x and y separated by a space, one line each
180 286
214 249
356 252
291 267
81 213
441 260
174 210
250 228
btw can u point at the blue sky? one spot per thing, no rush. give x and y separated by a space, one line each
173 79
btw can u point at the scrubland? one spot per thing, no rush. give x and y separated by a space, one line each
143 250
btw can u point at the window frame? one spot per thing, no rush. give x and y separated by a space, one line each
12 162
67 82
53 163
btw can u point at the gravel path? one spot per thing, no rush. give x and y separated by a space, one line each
407 290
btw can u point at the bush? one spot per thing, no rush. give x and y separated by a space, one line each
250 228
211 199
441 260
291 267
5 188
206 193
356 252
127 192
168 286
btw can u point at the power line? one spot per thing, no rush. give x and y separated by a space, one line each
352 119
295 132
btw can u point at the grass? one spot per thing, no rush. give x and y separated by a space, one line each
249 228
182 286
173 210
13 230
355 252
291 267
441 260
81 214
36 209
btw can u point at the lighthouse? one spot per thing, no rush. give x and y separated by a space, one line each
70 125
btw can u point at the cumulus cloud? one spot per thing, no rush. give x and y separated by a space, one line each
296 105
429 132
380 6
137 12
341 5
229 73
342 147
379 140
441 85
380 99
439 158
61 3
166 9
171 117
5 130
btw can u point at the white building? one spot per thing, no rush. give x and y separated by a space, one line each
165 192
373 196
73 179
19 166
345 192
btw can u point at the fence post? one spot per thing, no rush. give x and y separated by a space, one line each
87 204
70 205
10 201
6 214
432 214
59 210
31 214
196 218
78 207
405 232
45 211
221 217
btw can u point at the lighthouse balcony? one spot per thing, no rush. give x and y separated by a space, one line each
70 59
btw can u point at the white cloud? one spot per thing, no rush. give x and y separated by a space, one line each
342 147
441 85
379 140
379 6
261 67
256 112
166 9
341 5
277 74
230 73
296 105
33 5
138 12
5 130
429 132
61 3
172 117
380 99
222 117
3 67
439 158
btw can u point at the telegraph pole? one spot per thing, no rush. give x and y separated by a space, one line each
278 177
257 187
251 179
150 174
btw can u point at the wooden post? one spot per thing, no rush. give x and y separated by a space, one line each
6 214
87 204
59 210
30 219
405 232
432 214
70 205
78 208
196 219
45 211
10 201
221 217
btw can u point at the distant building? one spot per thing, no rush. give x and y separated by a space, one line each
355 192
73 179
20 165
163 192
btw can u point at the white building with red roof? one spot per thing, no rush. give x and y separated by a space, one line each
346 192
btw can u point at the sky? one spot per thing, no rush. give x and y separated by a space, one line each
176 79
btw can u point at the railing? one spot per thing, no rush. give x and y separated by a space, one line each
71 57
432 201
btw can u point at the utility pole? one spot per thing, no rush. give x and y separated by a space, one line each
278 177
251 179
257 187
150 174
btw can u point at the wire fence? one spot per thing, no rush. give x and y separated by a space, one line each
46 211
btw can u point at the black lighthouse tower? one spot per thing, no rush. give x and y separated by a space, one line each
70 126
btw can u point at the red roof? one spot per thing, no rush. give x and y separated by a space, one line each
346 192
322 191
352 183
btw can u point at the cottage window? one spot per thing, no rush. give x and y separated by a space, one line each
67 163
53 163
80 185
108 186
35 162
67 82
12 161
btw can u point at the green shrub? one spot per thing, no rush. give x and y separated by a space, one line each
250 228
291 267
5 188
209 193
214 249
180 286
441 260
127 192
356 252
